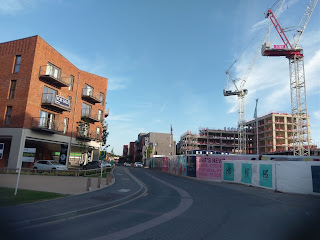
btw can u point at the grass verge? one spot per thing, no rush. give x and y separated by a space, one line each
7 197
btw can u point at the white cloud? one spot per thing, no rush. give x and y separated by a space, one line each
123 117
117 83
15 6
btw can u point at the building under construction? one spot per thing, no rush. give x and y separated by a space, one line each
275 135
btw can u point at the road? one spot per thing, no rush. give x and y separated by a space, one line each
183 208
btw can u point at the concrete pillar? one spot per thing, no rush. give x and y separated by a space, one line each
16 149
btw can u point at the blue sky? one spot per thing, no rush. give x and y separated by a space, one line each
166 59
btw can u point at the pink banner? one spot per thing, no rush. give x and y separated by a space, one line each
209 168
165 164
279 46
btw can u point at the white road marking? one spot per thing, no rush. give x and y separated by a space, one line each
185 203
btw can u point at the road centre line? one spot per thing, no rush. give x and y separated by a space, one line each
185 203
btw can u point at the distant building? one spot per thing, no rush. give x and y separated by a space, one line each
275 133
159 144
138 146
125 150
131 150
44 96
225 140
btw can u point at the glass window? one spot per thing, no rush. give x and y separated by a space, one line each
98 132
48 95
88 90
65 126
86 110
12 89
8 115
53 71
46 120
71 83
17 64
101 98
100 117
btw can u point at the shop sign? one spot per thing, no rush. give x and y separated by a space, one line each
62 101
1 150
28 154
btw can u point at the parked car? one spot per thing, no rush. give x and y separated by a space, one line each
104 164
127 164
138 164
49 165
91 165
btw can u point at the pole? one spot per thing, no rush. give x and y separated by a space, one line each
74 115
18 179
256 116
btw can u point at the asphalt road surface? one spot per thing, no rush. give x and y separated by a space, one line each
183 208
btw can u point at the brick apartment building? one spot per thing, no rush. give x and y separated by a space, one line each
125 150
44 96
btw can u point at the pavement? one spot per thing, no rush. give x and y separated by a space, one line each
124 187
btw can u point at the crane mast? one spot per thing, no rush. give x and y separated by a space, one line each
300 123
240 92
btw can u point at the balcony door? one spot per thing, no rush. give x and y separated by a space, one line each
53 71
48 95
46 120
88 90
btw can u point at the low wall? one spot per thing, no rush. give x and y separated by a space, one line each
292 174
284 176
253 173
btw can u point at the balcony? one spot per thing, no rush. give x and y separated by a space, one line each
90 96
46 125
55 103
86 136
106 113
92 117
54 76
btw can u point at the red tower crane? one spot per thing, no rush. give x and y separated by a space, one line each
300 123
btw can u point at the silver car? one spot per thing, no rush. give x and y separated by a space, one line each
49 165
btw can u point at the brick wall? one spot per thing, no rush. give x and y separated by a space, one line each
35 52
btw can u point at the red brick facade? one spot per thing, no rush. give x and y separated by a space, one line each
27 102
35 52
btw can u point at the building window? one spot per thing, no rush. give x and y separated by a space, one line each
98 133
71 83
65 126
100 117
101 98
48 95
53 71
86 110
8 115
46 120
88 90
17 64
12 89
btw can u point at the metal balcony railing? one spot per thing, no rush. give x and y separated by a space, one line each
55 102
47 125
93 117
85 135
89 95
54 76
106 113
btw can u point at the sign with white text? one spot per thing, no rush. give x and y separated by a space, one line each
62 101
28 154
1 150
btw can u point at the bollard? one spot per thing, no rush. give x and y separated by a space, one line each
99 182
107 179
89 185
